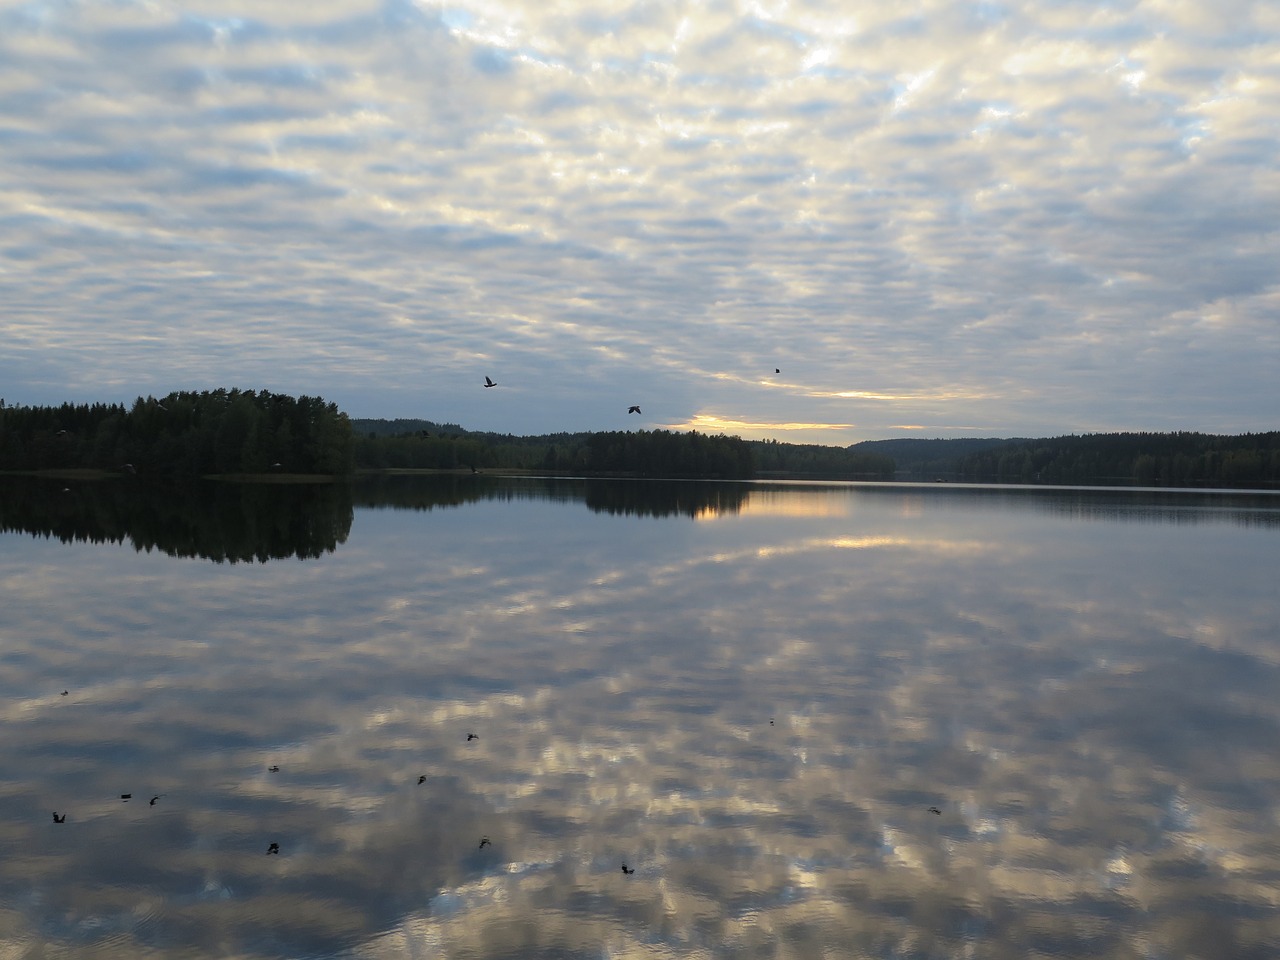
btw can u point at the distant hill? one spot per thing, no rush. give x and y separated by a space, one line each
811 461
924 460
400 427
1180 459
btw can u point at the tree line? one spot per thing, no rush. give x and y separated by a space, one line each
408 444
814 461
641 453
220 432
1181 459
184 434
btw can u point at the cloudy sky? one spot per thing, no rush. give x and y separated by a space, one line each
933 218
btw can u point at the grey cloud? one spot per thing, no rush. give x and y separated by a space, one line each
374 158
561 100
284 76
122 162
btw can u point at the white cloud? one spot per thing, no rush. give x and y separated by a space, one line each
1012 216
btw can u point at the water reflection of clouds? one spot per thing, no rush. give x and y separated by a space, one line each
769 502
1105 774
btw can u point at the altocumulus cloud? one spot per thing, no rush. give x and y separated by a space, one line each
1019 218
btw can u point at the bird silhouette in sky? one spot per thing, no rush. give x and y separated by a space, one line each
273 769
422 779
776 370
155 798
484 842
633 409
59 819
628 870
274 848
126 797
472 736
489 383
63 694
935 811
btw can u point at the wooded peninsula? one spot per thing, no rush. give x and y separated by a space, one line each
189 434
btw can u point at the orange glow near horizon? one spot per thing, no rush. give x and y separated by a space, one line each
771 503
704 422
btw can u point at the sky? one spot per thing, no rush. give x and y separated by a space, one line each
817 222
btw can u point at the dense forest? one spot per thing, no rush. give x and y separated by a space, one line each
1247 461
923 461
642 453
185 434
225 432
382 444
811 460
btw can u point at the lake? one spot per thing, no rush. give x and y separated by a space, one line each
751 694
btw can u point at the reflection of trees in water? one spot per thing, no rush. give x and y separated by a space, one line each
645 498
211 520
410 491
1244 510
1181 507
665 498
246 521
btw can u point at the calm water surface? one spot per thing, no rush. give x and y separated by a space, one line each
750 694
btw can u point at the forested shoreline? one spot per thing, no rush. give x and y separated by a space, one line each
233 432
189 434
1165 460
424 444
184 434
1248 461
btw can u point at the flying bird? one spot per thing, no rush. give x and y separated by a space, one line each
422 780
633 409
274 848
155 798
472 736
63 694
484 842
126 797
628 870
489 383
935 811
59 819
776 370
273 769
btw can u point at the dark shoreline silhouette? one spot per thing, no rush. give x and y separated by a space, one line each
223 522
